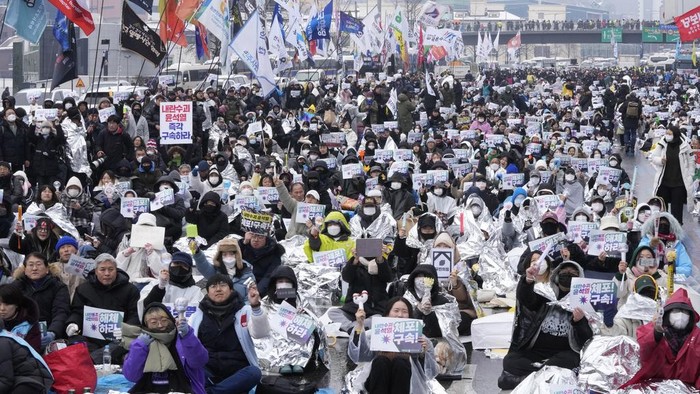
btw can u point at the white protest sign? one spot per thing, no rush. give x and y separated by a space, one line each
548 202
163 198
421 180
241 202
400 167
383 155
269 195
609 174
291 324
105 113
351 170
439 176
100 323
553 242
613 243
79 266
592 295
42 114
331 258
533 149
190 309
142 235
131 206
577 231
511 181
594 164
175 123
309 212
494 139
442 261
371 184
333 139
396 335
403 154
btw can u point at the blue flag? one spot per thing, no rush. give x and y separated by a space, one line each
277 14
60 31
319 26
28 22
350 25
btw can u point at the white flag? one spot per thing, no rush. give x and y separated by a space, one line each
218 23
431 13
495 42
428 87
393 102
488 44
251 48
277 47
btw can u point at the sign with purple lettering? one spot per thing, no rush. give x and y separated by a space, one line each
396 335
292 324
592 295
101 323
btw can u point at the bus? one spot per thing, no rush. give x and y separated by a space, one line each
684 64
188 75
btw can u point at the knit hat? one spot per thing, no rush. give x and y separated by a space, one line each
66 240
182 258
151 144
203 165
314 194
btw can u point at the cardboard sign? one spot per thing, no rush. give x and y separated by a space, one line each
132 206
462 154
351 170
442 259
580 164
614 243
309 212
368 247
592 295
163 198
257 223
492 140
414 136
578 231
511 181
292 325
515 139
548 202
79 266
396 335
421 180
175 123
594 164
100 323
269 195
461 170
105 113
400 167
467 135
333 140
371 184
331 258
142 235
42 114
391 124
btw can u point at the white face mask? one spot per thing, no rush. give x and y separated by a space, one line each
581 218
68 106
396 185
481 185
495 167
596 156
270 171
437 192
570 177
333 230
11 118
678 319
313 157
229 262
519 201
73 192
284 285
45 130
613 163
476 211
534 181
668 138
369 211
597 207
247 192
164 187
214 179
602 192
655 209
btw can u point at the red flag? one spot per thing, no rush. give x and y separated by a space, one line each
421 55
171 28
438 52
77 12
514 43
689 25
185 9
312 47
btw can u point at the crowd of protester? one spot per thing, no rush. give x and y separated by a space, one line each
558 25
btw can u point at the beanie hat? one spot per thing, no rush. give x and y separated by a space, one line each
66 240
182 258
151 144
203 165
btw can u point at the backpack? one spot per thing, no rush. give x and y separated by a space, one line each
632 109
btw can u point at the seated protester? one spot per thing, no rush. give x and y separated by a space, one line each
642 213
550 225
228 261
112 233
456 286
334 234
78 204
174 282
603 262
439 202
20 315
289 202
169 216
371 222
544 334
42 238
27 196
141 264
107 287
264 254
106 193
640 308
668 346
423 292
644 262
65 248
378 197
670 237
600 199
164 354
39 281
212 224
309 357
392 372
399 195
571 189
413 245
22 369
145 176
226 326
615 161
362 274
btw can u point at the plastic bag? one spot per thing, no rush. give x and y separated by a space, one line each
72 369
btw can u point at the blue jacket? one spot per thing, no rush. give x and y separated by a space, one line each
683 263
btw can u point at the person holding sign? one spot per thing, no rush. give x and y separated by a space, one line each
644 262
544 334
20 315
423 291
264 254
289 202
78 205
42 238
165 355
14 140
393 372
107 287
333 234
39 281
140 263
640 308
398 195
174 282
113 144
226 327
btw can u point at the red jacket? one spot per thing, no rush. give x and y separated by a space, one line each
658 361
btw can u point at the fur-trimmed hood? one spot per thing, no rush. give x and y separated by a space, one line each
54 270
648 228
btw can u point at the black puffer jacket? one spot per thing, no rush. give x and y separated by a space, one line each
264 261
212 226
113 227
14 147
51 296
359 279
47 153
170 216
19 366
431 326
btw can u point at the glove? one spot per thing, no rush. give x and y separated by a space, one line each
72 330
183 328
145 338
195 171
47 338
117 334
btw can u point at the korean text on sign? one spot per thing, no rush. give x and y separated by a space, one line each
175 123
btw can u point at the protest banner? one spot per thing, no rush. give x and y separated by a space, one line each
604 147
246 202
78 266
396 335
42 114
371 184
331 162
132 206
594 164
609 174
553 242
291 324
269 195
333 140
492 140
163 198
383 155
175 123
462 154
105 113
309 212
511 181
400 167
592 295
515 139
421 180
587 146
391 124
614 243
461 170
467 135
351 170
548 202
257 223
580 164
331 258
29 221
439 176
100 323
414 136
452 134
578 231
403 154
533 149
142 235
121 187
442 259
545 176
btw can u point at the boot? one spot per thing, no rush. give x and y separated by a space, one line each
508 381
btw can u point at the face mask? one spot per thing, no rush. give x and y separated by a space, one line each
596 156
519 201
68 106
655 209
313 157
229 262
246 192
427 235
602 192
45 130
11 118
305 152
549 228
581 218
179 274
597 207
214 180
678 319
284 285
396 185
269 171
333 231
437 192
668 138
534 181
481 120
570 177
565 280
495 167
369 211
164 187
139 158
305 128
476 211
73 192
209 208
613 163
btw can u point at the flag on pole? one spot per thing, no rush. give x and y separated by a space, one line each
688 25
479 47
213 17
65 68
348 24
495 42
320 24
678 49
399 24
514 45
421 49
28 22
251 48
693 56
428 86
171 27
60 31
78 12
201 41
431 13
138 37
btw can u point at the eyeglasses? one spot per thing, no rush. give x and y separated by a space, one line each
218 286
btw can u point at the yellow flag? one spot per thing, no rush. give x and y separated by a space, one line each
694 57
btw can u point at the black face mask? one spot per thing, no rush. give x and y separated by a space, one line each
648 292
427 236
565 280
664 228
549 228
209 208
179 274
313 183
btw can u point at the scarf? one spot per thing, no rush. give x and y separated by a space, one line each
159 358
676 338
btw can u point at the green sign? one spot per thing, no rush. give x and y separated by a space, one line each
605 34
652 34
672 36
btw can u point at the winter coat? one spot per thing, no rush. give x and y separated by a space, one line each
48 152
51 296
79 217
431 327
207 269
116 146
657 358
290 204
405 110
14 147
264 260
113 227
212 226
324 242
401 200
32 243
20 364
140 266
359 279
687 163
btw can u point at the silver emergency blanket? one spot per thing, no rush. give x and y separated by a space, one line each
276 350
355 381
384 226
544 380
58 215
638 307
318 286
545 290
76 147
608 362
662 387
294 250
448 318
424 247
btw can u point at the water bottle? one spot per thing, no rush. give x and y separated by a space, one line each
107 359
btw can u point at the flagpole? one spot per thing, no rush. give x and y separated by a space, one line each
94 66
